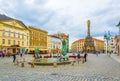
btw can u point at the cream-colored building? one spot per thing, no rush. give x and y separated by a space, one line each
112 44
14 35
56 44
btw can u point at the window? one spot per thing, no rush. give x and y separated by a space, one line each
14 34
3 32
18 42
27 43
9 42
9 33
23 36
14 42
22 42
18 35
27 37
3 41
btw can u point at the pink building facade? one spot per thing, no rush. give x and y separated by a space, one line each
117 44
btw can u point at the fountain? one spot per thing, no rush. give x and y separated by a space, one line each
48 60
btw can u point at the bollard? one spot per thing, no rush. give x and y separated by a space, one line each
32 65
83 60
55 64
17 62
23 59
22 64
72 63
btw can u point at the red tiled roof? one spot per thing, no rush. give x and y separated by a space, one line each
97 39
83 39
63 35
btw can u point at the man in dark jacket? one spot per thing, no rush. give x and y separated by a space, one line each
14 58
85 55
78 57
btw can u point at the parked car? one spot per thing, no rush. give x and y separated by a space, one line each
0 53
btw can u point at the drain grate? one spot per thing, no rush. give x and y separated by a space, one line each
54 74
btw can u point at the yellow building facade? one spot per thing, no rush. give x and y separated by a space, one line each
38 38
14 35
49 44
78 45
99 44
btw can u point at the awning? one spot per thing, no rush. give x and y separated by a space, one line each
43 49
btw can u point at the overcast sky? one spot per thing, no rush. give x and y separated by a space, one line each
68 16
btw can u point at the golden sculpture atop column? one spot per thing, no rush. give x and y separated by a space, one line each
89 43
88 23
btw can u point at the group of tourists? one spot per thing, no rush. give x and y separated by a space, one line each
5 53
8 53
83 57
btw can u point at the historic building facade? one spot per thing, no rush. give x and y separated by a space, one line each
65 37
117 44
49 44
112 44
78 45
38 38
14 35
56 44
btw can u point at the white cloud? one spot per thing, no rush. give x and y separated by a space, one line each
67 16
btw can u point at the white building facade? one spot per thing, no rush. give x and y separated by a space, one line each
110 45
56 44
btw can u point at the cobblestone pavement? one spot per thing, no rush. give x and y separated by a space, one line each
97 68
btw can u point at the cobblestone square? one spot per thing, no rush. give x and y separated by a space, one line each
97 68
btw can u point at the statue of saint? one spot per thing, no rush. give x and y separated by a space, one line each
88 23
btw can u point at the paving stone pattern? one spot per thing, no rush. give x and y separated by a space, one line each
97 68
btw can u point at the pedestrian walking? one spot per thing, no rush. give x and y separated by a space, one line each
78 57
85 56
14 58
110 54
8 53
96 53
3 52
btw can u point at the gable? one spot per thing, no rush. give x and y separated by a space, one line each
14 23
